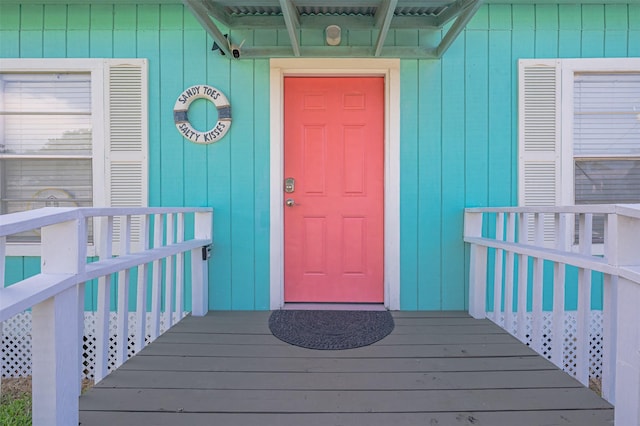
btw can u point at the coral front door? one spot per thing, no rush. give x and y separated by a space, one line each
334 189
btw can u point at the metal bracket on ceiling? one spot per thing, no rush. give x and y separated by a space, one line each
465 10
383 18
292 21
202 16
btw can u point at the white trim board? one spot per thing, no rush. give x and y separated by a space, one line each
390 70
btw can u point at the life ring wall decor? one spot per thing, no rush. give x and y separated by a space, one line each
181 118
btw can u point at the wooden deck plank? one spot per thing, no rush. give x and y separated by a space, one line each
227 369
345 381
508 418
381 351
263 328
394 339
340 401
337 365
233 321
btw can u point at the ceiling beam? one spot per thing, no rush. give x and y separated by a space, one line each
292 21
407 52
200 12
383 18
457 27
217 12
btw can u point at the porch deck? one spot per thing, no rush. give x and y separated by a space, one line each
441 368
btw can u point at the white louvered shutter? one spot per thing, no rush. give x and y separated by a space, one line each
126 148
539 138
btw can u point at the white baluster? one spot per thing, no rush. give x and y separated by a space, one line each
609 300
141 294
180 269
557 345
497 272
168 276
509 271
156 279
538 280
584 301
103 310
523 276
124 278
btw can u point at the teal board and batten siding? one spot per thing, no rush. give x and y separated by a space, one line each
458 124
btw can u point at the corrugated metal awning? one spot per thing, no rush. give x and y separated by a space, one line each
444 18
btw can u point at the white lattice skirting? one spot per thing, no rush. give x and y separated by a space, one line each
569 340
16 343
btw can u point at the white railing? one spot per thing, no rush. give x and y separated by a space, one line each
56 295
506 242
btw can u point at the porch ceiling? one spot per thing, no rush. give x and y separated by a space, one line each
294 16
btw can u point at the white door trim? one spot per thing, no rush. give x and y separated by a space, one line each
390 70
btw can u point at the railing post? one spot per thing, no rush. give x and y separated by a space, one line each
203 226
627 380
477 267
55 356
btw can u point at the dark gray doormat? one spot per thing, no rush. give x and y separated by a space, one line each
330 330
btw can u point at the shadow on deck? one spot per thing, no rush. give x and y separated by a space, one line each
440 368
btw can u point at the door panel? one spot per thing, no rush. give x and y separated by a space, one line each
334 150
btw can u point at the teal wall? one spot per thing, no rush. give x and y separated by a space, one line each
458 135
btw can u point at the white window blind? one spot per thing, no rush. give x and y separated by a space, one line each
606 138
606 114
46 113
45 142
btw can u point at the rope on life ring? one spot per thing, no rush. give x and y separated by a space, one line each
181 108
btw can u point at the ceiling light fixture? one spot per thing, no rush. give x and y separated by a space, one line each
332 34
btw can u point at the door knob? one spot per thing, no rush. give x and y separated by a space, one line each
290 202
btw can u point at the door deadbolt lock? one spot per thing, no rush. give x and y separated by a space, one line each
289 185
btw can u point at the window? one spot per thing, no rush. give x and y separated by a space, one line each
579 133
45 145
73 132
606 138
